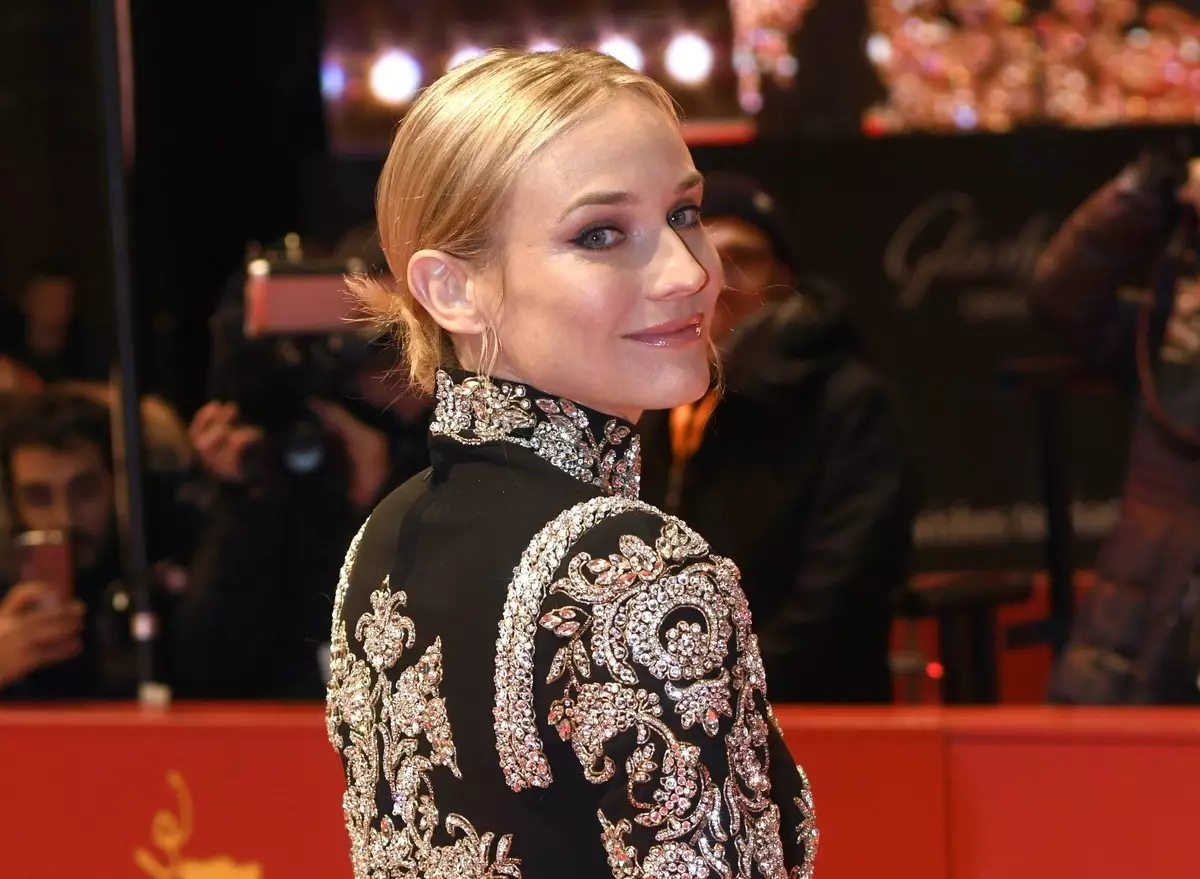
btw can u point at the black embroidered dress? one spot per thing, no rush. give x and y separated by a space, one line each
536 675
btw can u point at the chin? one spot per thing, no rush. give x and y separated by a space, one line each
672 385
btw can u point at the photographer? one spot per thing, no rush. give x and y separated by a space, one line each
300 448
1129 642
69 638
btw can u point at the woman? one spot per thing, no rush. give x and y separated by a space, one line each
540 213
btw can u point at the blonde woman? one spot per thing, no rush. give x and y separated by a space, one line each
533 673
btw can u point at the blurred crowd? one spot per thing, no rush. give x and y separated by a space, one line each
245 534
797 463
251 501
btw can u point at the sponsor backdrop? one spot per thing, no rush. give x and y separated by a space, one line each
934 238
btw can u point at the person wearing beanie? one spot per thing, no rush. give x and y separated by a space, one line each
799 466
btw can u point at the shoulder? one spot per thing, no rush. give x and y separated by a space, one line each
617 560
372 551
858 398
604 525
857 382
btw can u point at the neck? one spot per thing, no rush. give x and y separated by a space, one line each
626 414
578 438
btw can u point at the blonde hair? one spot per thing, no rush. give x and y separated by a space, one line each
455 157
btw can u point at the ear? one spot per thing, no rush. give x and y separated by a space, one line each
441 283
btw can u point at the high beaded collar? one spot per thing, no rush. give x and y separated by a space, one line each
597 449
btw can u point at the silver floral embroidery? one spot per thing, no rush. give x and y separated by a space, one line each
520 748
478 410
617 619
397 735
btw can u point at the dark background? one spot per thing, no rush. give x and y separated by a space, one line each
231 147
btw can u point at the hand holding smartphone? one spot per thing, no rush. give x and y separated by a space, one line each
45 557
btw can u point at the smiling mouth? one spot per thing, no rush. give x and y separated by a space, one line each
672 334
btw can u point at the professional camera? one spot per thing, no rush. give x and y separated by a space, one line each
286 332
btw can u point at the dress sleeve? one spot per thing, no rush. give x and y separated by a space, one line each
646 665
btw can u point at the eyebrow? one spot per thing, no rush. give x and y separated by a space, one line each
617 197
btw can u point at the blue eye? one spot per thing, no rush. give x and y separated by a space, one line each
599 238
685 217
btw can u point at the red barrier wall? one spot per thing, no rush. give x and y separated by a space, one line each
223 792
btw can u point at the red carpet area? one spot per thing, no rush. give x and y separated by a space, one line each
233 792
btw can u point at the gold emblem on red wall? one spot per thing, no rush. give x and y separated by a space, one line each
170 834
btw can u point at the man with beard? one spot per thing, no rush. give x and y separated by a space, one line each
58 472
823 538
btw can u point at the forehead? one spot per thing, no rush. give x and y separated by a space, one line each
46 464
626 144
51 283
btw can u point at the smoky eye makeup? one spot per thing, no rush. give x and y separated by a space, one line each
599 236
605 234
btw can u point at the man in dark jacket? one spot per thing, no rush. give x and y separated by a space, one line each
800 469
255 622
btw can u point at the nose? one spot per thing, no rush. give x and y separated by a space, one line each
677 270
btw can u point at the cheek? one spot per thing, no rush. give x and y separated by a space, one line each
94 513
35 518
566 303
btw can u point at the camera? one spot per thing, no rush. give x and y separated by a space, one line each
287 331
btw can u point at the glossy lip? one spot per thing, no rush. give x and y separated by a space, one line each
682 331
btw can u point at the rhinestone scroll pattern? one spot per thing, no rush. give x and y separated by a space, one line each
667 611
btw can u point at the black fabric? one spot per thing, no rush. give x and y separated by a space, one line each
449 539
805 476
256 611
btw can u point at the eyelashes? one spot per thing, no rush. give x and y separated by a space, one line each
599 238
606 236
689 217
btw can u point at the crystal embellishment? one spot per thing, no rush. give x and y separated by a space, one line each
477 410
648 617
396 735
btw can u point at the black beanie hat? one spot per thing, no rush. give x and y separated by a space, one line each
732 195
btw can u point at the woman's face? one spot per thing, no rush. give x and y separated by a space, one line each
606 287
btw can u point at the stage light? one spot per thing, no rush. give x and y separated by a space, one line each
879 49
333 81
689 58
624 50
395 77
543 45
463 55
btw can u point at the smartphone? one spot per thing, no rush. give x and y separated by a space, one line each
45 557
